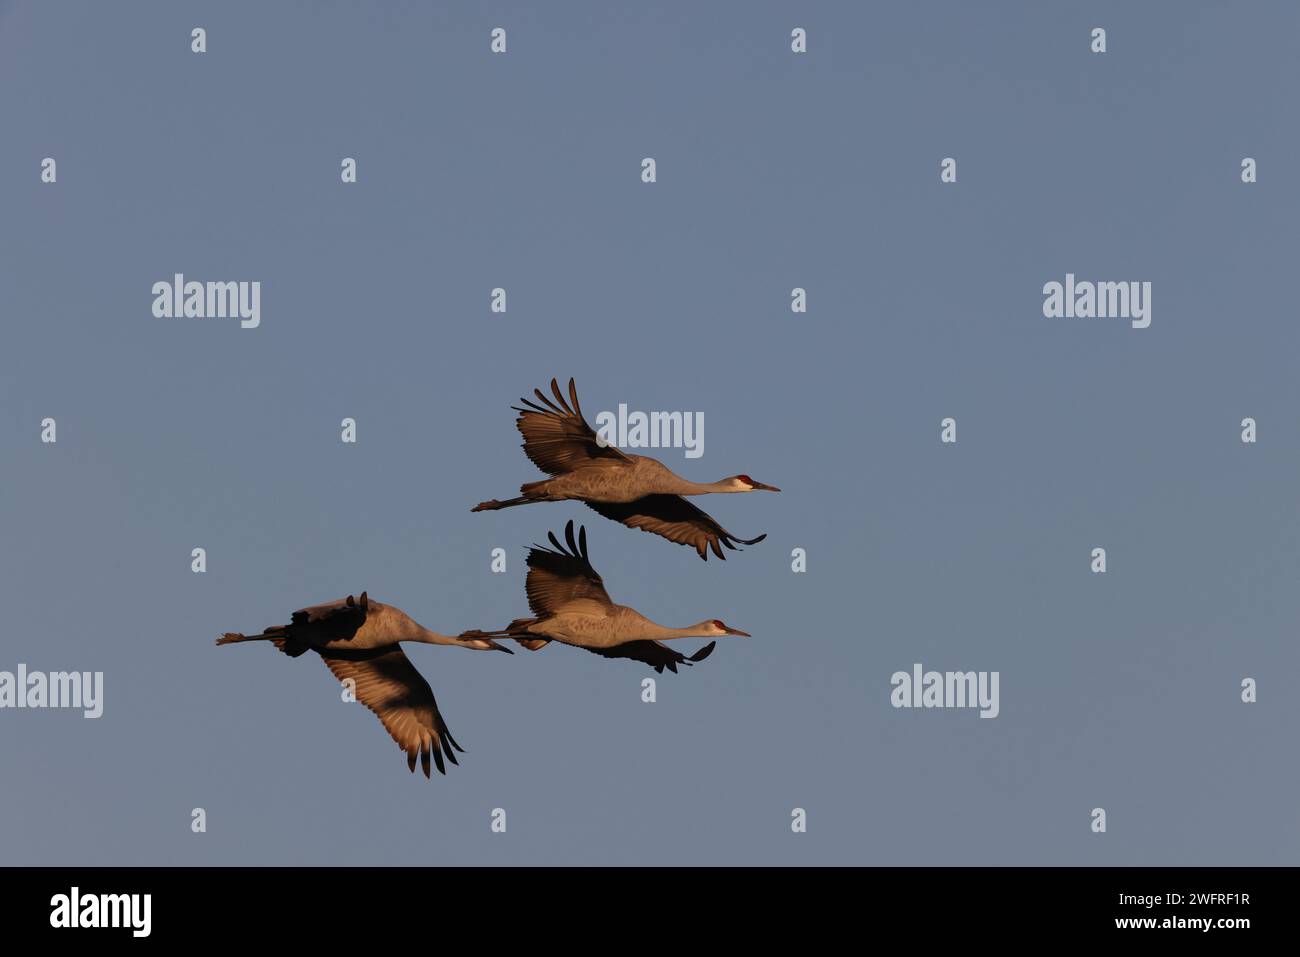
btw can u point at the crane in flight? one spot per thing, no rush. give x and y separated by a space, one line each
636 490
571 606
359 641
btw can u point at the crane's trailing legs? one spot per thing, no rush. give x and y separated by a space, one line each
492 505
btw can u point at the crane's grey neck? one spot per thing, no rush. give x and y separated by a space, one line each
664 633
426 637
685 487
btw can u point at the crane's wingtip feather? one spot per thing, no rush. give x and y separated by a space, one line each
704 652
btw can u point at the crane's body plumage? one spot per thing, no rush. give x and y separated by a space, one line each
618 481
360 642
636 490
588 624
327 626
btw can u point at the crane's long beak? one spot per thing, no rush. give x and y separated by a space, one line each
760 487
737 631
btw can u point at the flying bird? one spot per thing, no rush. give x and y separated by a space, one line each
636 490
571 606
359 639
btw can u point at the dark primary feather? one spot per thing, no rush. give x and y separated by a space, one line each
654 653
676 520
556 437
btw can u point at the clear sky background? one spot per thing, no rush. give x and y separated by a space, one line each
775 170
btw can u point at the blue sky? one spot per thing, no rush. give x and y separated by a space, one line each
775 170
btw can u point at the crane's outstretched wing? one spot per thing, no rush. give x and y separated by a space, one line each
676 520
559 576
556 437
387 683
654 653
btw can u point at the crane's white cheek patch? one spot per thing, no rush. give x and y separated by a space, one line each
55 689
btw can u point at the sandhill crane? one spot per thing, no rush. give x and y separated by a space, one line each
359 639
572 607
636 490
